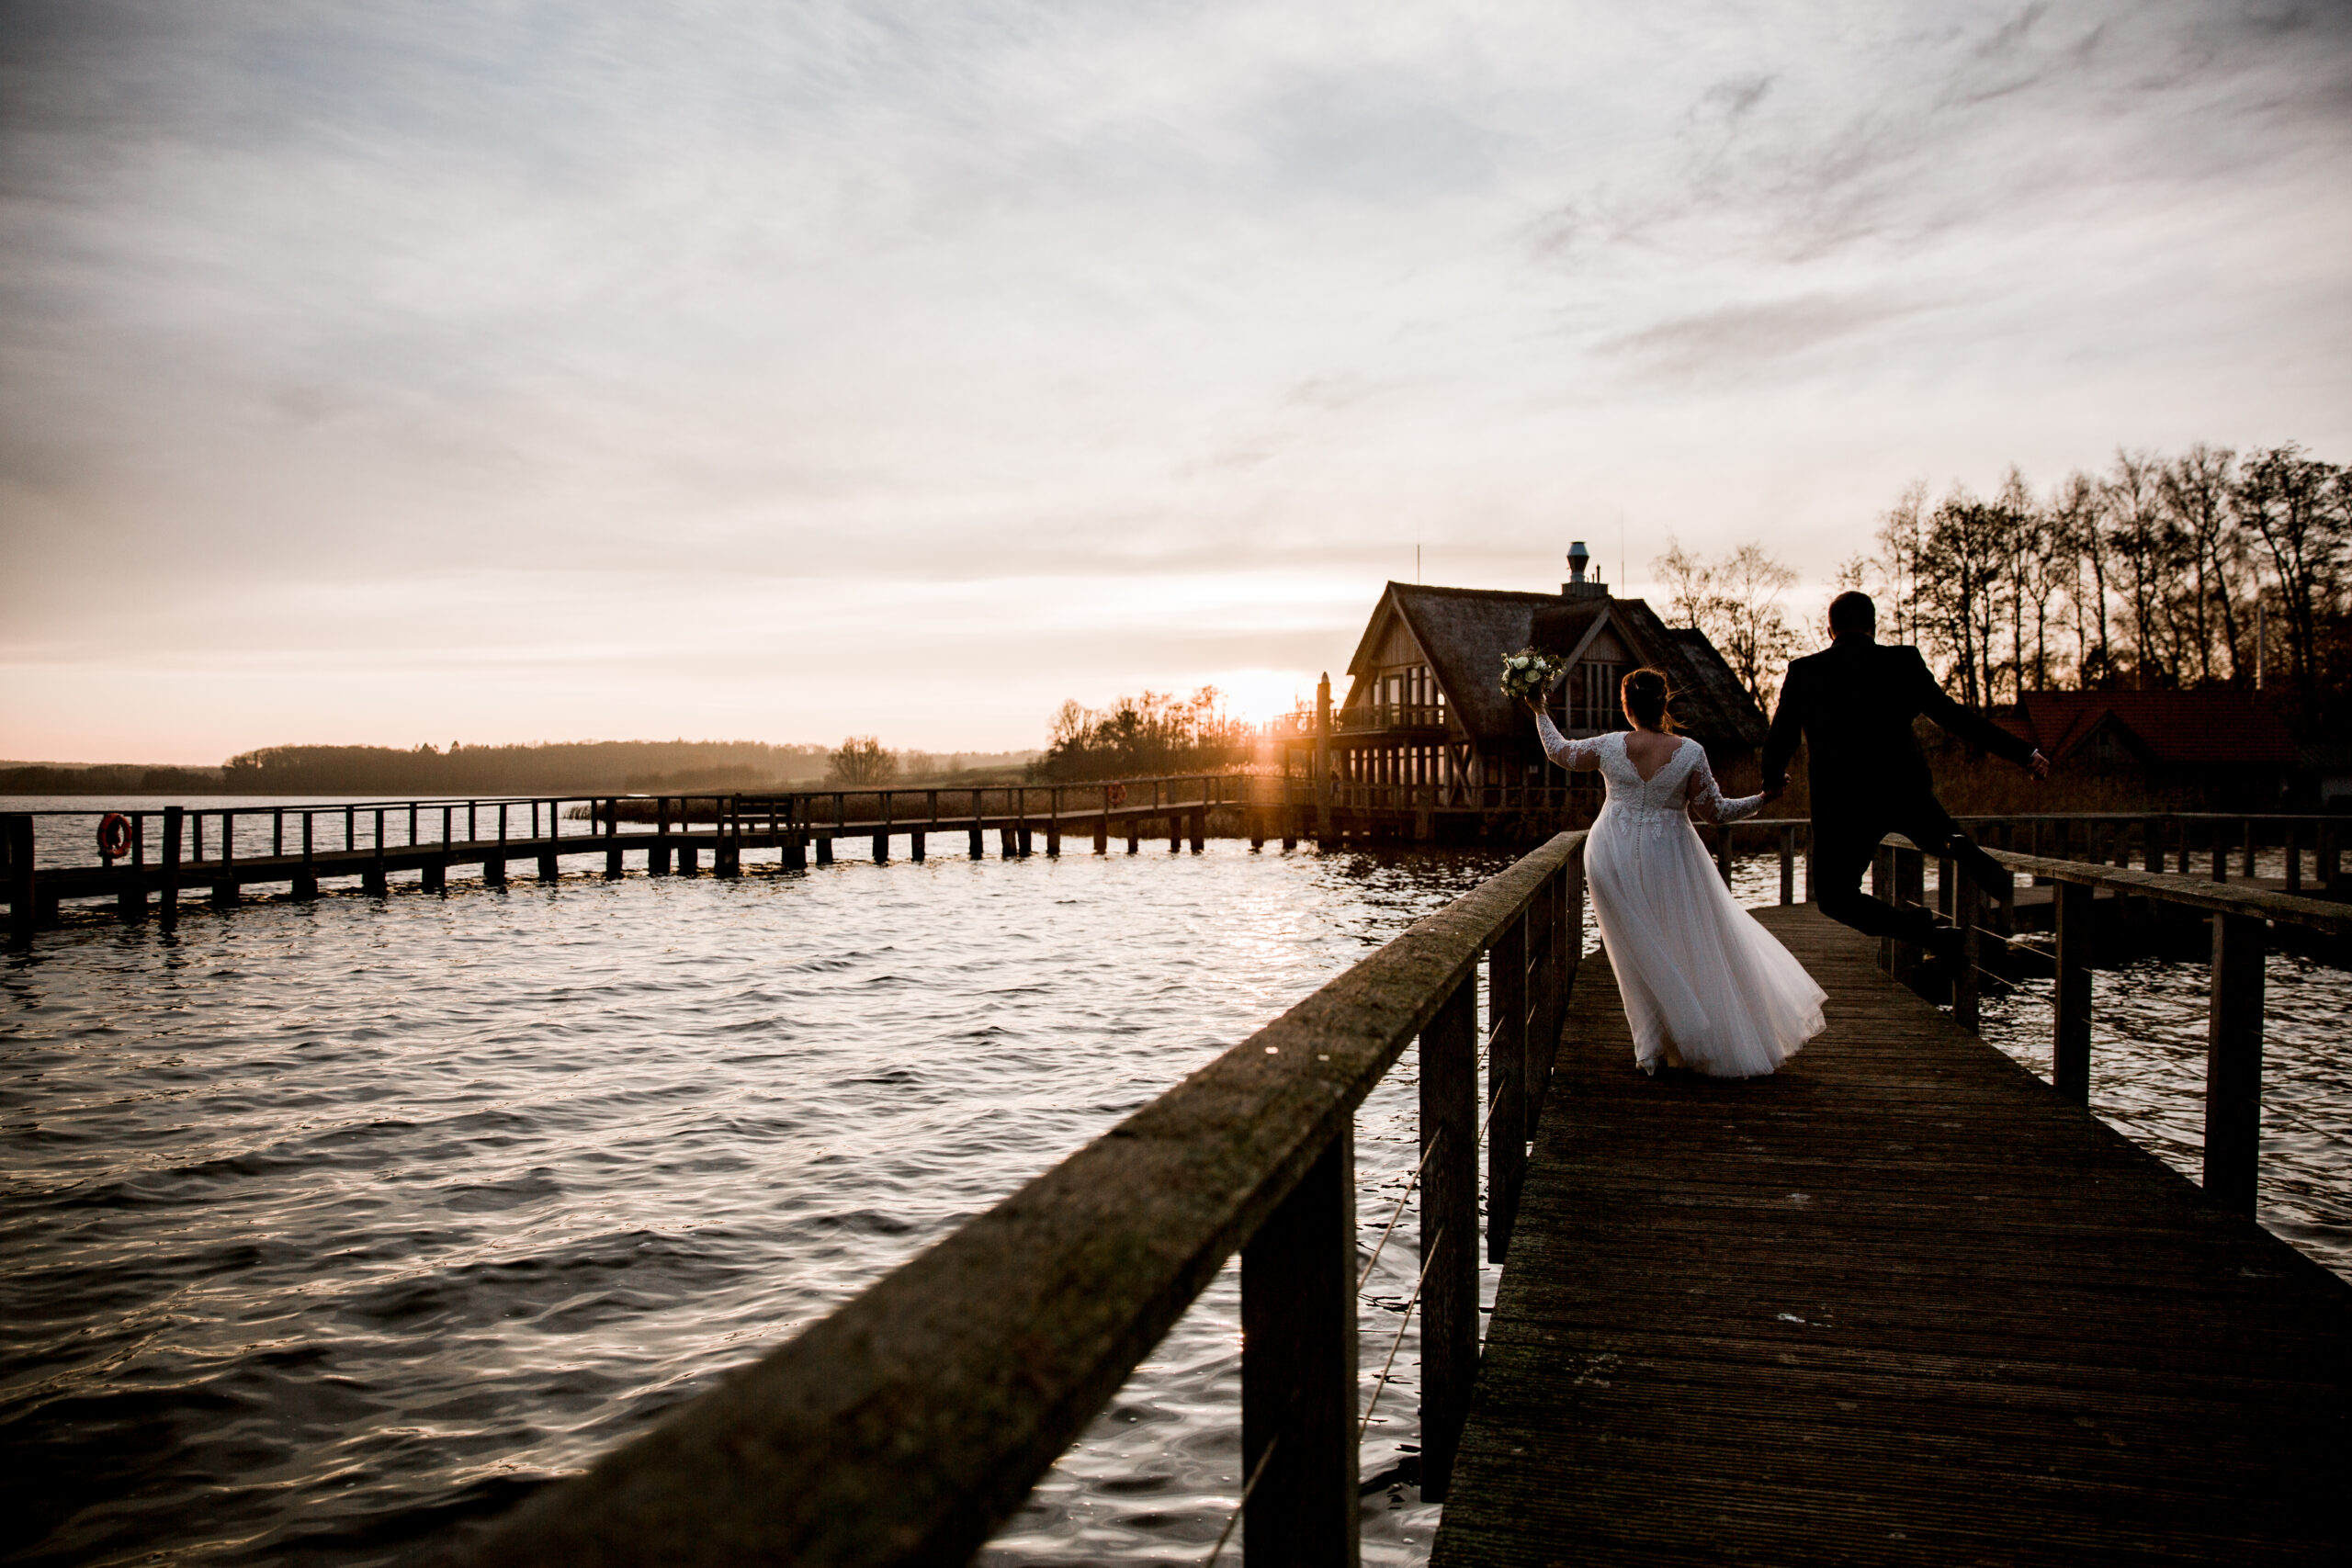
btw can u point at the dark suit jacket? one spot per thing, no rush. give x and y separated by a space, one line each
1854 704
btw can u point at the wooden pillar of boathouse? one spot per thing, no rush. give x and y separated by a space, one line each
1322 782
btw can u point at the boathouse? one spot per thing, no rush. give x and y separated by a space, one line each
1424 706
2221 748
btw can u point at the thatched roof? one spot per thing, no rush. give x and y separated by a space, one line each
1464 632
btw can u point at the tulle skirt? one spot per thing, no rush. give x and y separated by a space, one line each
1705 986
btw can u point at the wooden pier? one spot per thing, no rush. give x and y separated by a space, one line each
223 850
1899 1303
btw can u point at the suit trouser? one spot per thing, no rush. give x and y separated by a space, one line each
1842 851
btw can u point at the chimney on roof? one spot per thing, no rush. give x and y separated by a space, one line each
1578 586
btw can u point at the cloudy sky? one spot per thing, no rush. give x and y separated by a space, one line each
516 371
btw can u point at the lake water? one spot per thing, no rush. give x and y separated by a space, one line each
328 1228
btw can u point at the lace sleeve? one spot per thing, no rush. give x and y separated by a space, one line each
1710 800
1567 752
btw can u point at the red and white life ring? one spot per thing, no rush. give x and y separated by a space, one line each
114 835
1116 793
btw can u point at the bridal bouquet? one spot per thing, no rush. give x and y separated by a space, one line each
1531 671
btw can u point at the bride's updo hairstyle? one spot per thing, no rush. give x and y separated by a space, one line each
1643 691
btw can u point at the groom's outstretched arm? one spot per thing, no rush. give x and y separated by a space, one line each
1965 723
1787 728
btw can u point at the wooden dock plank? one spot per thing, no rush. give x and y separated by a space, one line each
1898 1302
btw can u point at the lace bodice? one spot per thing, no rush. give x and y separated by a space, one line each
1683 782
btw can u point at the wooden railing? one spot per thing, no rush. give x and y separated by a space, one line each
909 1423
2241 919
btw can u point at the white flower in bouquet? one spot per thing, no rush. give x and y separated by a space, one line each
1531 671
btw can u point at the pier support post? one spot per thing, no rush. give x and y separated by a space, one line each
1200 830
1008 842
493 870
689 860
882 846
1910 889
1102 828
1448 1232
435 875
550 866
224 893
372 878
914 844
167 897
794 856
1967 987
2234 1063
305 880
1298 1371
825 848
657 859
24 891
1134 834
2070 1042
613 871
727 857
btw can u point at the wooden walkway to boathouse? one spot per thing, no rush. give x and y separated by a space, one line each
1899 1303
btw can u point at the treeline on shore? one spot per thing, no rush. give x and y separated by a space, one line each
2205 568
43 778
587 767
1157 733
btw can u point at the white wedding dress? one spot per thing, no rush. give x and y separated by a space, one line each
1705 986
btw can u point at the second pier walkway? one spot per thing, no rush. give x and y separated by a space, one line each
1897 1304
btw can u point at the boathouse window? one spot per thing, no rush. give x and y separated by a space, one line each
1589 697
1403 696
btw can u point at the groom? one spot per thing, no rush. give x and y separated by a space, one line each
1853 702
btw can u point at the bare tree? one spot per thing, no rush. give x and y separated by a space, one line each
2297 507
1757 641
1689 586
860 760
2077 517
1902 536
2140 534
2196 488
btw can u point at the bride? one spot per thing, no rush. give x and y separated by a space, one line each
1705 986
